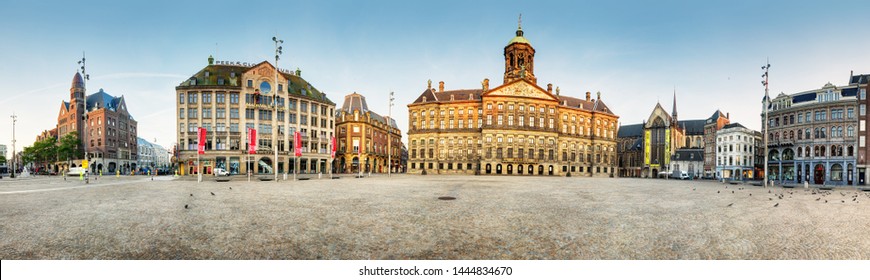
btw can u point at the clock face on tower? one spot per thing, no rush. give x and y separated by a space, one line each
265 87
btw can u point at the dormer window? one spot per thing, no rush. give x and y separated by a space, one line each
232 74
206 74
220 81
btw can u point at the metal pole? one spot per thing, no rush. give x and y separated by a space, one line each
390 137
14 119
275 106
765 122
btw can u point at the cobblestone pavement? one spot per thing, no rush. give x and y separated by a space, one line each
402 218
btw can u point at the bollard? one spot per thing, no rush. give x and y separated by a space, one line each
118 173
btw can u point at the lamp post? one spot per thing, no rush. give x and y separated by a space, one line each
764 122
278 52
14 119
390 136
85 78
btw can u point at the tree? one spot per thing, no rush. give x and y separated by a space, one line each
2 160
68 147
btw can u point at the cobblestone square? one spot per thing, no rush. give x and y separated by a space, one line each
402 218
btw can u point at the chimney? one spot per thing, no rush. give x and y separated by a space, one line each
441 86
550 88
588 95
728 115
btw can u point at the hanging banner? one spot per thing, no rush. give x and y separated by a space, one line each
297 143
200 148
252 141
333 147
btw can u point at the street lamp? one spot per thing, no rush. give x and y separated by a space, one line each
14 119
764 123
85 77
390 136
278 52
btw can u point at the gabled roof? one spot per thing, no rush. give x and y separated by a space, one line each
231 76
693 127
860 79
688 155
732 125
101 99
631 130
459 95
354 101
716 115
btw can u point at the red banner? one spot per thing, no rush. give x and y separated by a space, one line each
252 141
333 147
297 143
200 134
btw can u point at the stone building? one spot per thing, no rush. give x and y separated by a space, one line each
517 128
110 138
713 124
647 149
689 161
227 97
359 128
861 83
735 152
812 136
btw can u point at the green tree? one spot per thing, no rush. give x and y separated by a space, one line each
68 147
2 160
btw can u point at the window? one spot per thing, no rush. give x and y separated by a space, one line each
234 113
234 98
220 113
850 113
206 98
863 93
191 113
191 98
250 83
234 127
181 98
862 109
181 113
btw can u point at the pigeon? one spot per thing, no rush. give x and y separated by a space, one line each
776 205
231 188
817 199
185 207
826 201
212 193
729 205
732 191
750 194
769 198
191 194
843 201
717 191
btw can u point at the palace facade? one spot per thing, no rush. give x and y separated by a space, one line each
379 138
518 128
226 98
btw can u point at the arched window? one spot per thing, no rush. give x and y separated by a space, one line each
850 131
850 151
791 134
800 151
807 134
773 155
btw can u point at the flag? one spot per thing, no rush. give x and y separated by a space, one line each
200 148
252 141
333 147
297 143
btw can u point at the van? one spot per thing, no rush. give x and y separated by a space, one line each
684 175
75 171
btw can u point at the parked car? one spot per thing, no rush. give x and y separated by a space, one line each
75 171
221 172
684 175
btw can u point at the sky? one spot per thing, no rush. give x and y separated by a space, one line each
636 53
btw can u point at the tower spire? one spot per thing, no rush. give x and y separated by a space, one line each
674 111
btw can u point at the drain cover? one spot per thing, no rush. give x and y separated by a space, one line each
446 198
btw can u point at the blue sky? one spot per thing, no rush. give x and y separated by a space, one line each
634 52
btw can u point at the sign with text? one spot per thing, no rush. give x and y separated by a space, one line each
333 147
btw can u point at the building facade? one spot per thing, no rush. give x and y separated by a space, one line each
629 149
812 136
689 161
152 156
647 149
225 98
735 152
713 124
379 138
110 138
517 128
861 83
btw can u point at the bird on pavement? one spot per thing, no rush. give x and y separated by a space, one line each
729 205
717 191
212 193
191 194
185 207
231 188
769 198
776 205
817 199
750 194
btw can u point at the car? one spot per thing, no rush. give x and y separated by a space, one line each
75 171
221 172
684 175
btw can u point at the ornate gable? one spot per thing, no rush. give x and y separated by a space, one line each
521 89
